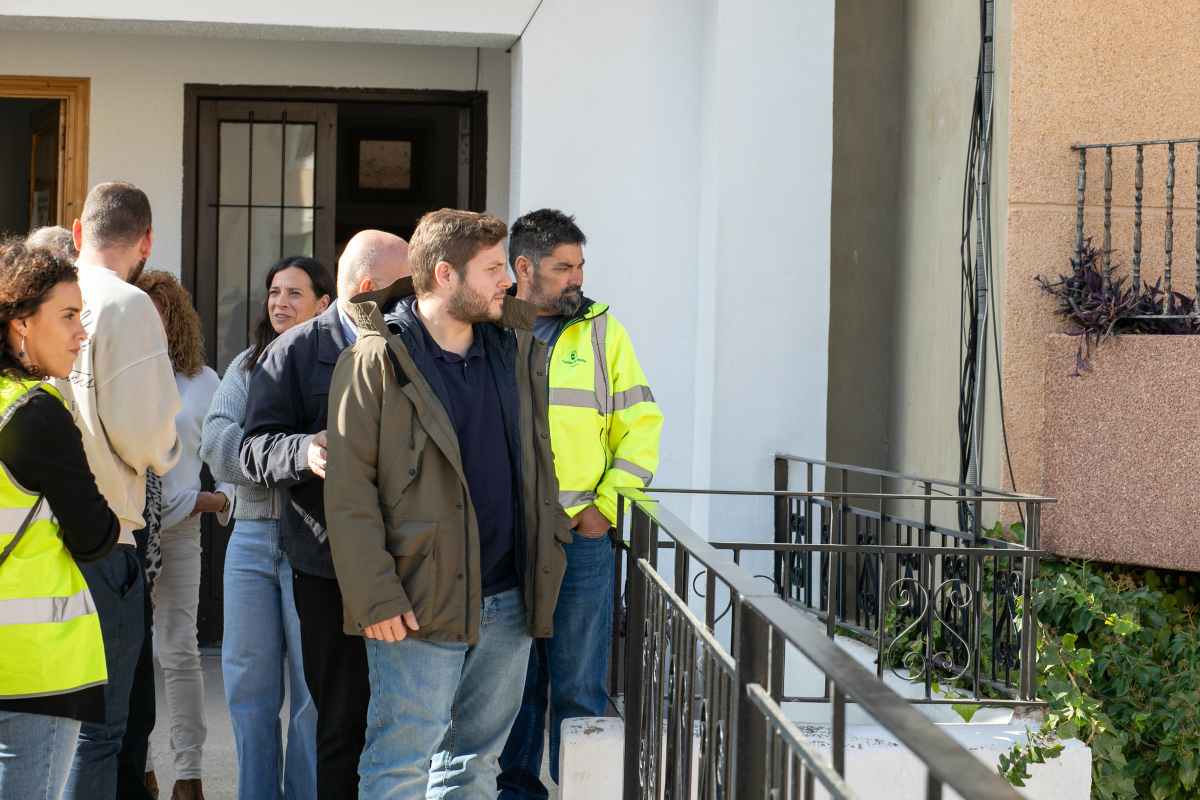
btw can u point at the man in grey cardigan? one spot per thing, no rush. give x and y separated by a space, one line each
123 395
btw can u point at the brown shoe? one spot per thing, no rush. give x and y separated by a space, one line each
152 784
187 790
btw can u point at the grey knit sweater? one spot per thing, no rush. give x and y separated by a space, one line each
221 442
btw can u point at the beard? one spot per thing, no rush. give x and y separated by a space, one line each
467 305
137 272
565 304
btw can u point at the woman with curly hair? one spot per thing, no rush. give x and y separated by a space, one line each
52 515
174 566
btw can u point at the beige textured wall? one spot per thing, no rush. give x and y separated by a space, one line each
903 88
1119 454
1088 71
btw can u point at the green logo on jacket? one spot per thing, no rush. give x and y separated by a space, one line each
573 359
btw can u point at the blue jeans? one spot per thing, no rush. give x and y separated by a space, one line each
566 672
119 590
440 712
35 755
262 636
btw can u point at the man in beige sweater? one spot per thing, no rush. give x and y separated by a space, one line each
123 395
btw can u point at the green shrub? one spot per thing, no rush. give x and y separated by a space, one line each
1119 665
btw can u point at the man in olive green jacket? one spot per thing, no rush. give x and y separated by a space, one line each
442 508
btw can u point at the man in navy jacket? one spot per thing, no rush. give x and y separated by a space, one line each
284 446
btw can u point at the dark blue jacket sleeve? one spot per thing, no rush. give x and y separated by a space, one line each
275 447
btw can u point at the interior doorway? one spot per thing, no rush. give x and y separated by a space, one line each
43 145
280 171
29 145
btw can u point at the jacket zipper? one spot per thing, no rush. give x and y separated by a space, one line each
531 563
467 565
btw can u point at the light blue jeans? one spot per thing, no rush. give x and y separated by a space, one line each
566 672
262 637
35 755
440 712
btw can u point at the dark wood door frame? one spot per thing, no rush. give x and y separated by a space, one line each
193 93
212 538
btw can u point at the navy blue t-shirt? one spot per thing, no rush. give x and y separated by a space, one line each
473 404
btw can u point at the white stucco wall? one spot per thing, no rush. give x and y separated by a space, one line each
492 23
693 142
136 130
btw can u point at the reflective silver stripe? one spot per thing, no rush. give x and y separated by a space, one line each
599 336
583 398
571 499
11 518
633 469
631 397
35 610
578 398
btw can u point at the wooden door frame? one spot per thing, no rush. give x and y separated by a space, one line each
193 93
75 94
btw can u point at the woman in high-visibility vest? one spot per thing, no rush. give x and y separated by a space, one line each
52 670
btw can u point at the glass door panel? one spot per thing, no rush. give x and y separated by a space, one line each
271 194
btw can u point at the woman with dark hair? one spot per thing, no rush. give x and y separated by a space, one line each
173 557
261 624
52 668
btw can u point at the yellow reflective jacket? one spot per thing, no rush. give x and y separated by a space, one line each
50 641
604 423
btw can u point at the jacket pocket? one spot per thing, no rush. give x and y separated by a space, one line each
411 538
414 546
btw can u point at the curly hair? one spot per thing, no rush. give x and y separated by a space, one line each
27 276
184 340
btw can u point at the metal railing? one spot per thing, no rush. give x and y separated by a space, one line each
940 604
1170 148
705 720
703 696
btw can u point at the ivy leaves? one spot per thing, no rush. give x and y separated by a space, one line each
1119 665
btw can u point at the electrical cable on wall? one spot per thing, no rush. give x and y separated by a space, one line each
977 304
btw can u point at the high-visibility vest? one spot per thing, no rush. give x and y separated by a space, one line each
50 640
604 423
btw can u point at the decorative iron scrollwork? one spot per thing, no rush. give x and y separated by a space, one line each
908 597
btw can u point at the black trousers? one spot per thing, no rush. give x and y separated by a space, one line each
135 747
335 668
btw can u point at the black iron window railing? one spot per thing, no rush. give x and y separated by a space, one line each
703 695
1171 152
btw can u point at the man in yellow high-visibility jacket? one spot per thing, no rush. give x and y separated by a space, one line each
604 430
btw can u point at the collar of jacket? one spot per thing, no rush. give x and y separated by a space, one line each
331 340
588 309
368 310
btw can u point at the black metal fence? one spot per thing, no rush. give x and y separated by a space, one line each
941 605
703 697
1171 150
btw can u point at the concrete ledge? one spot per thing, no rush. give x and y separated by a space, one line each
877 765
591 758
